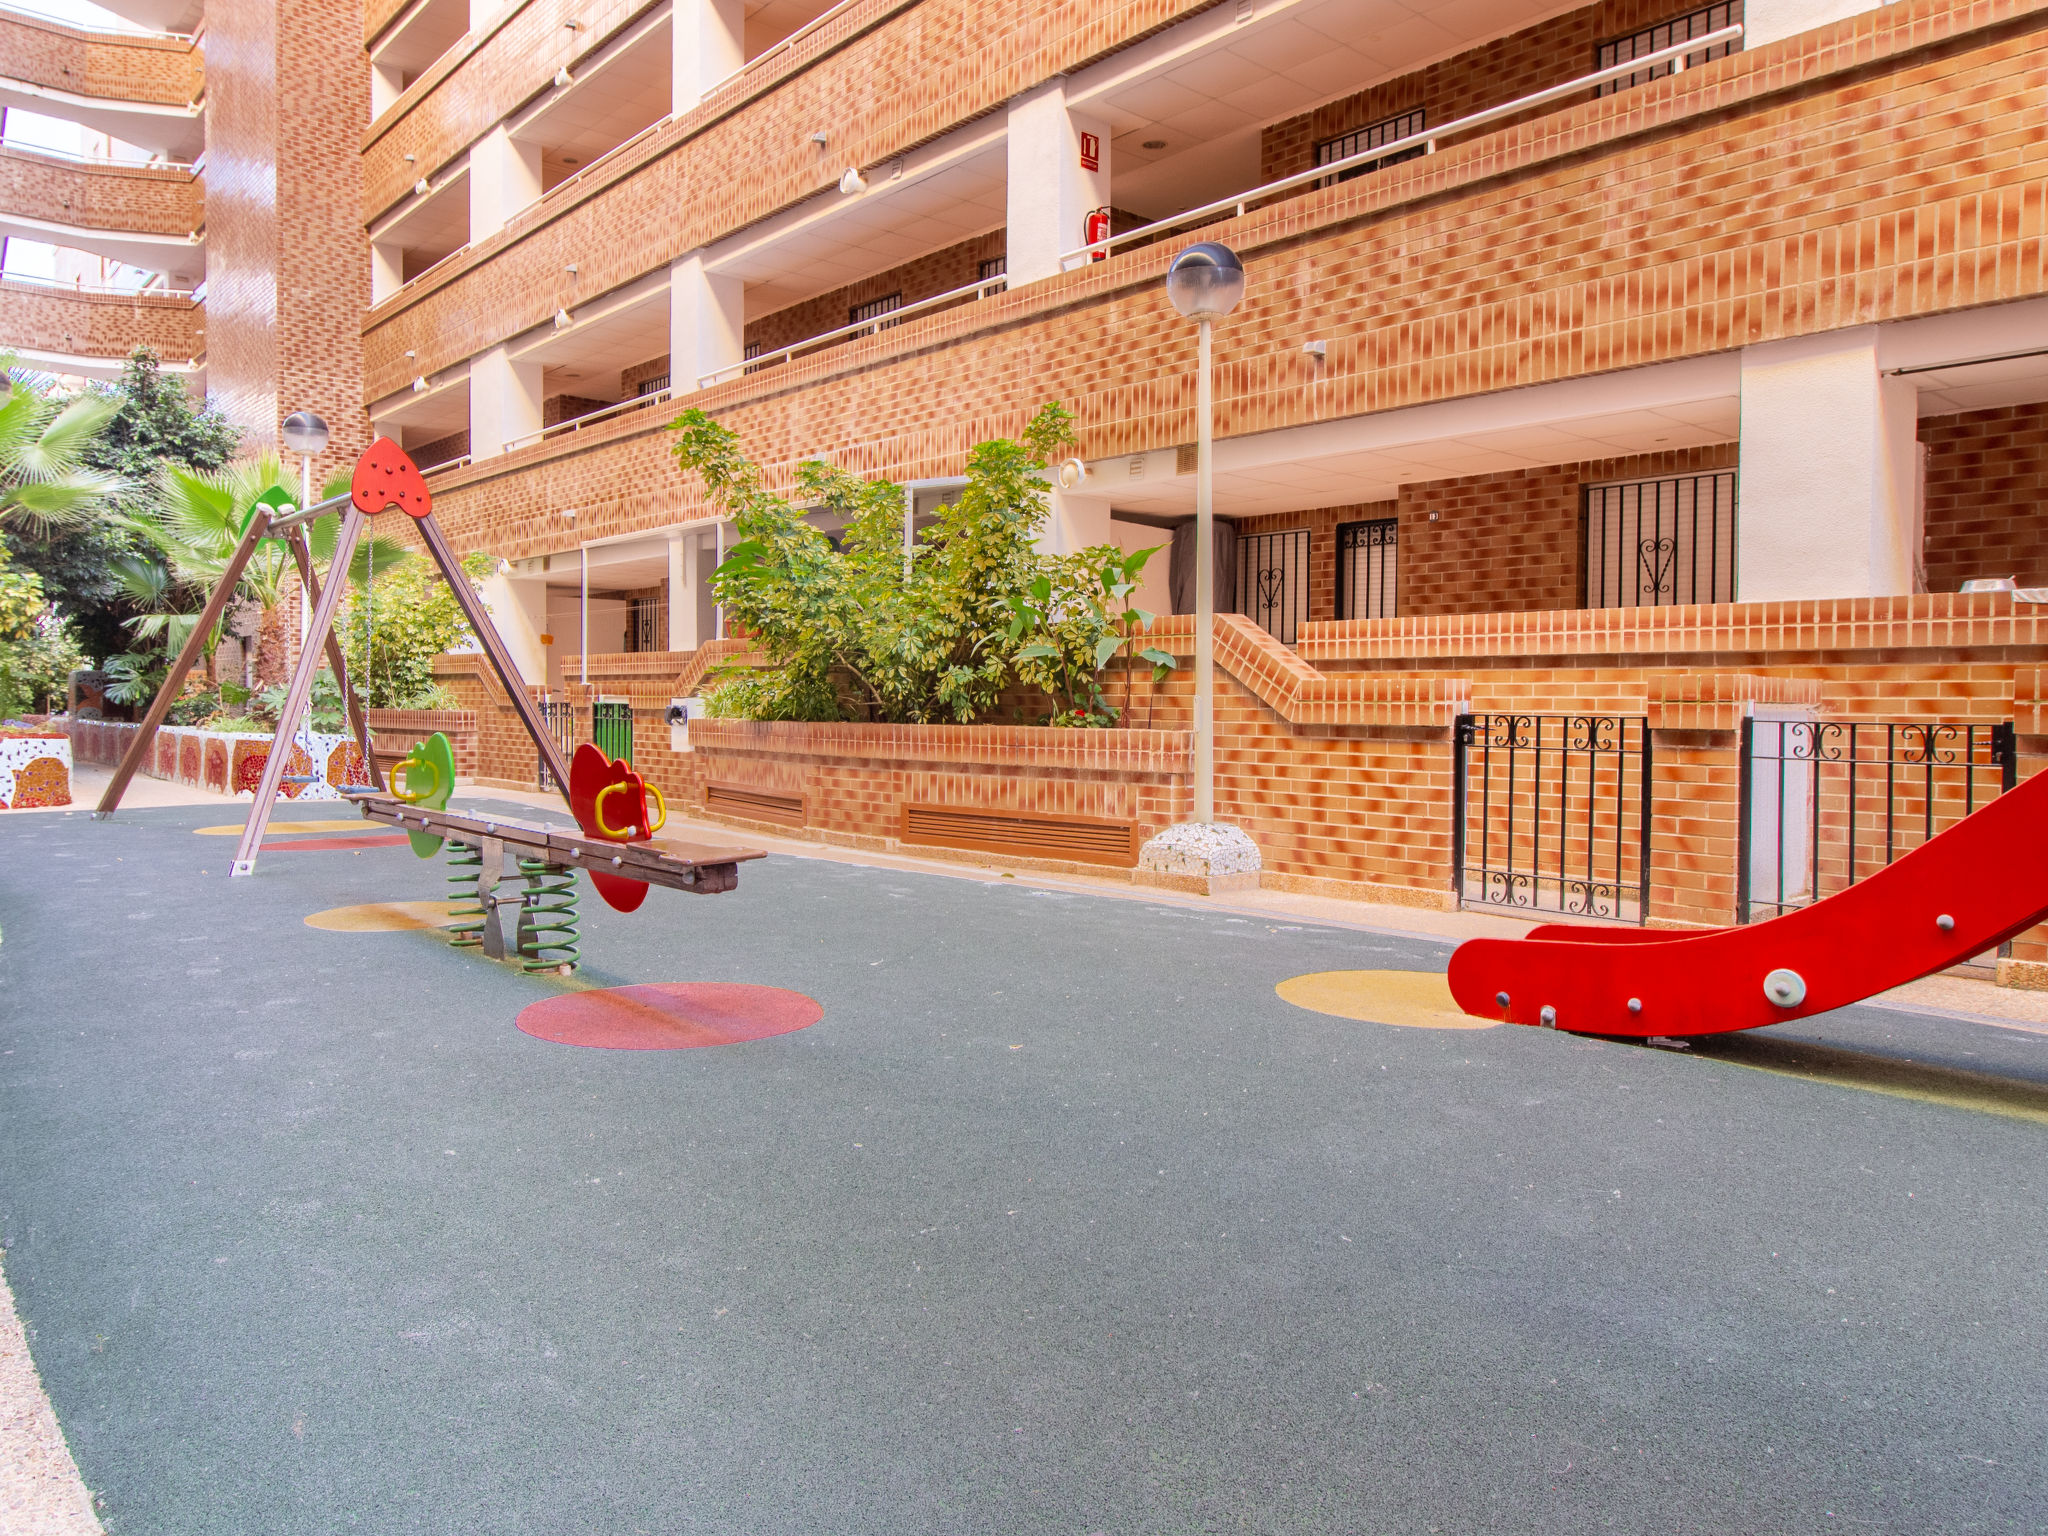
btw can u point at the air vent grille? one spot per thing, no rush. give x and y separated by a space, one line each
1081 839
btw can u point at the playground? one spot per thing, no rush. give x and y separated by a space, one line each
429 1161
1058 1218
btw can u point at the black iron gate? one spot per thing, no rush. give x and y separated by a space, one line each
1826 803
1368 569
1552 814
1272 581
559 716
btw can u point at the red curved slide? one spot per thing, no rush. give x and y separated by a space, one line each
1974 886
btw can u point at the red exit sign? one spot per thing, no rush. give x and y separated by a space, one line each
1091 152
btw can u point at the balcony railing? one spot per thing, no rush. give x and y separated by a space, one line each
588 419
969 294
93 162
1426 140
86 290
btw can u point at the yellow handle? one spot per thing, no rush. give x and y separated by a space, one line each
405 770
661 806
597 811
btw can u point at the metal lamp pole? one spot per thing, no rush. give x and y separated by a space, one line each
1205 283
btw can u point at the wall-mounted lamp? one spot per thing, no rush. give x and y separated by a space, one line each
1319 350
569 512
821 138
419 384
420 187
852 181
1072 475
570 269
562 320
409 159
410 353
562 77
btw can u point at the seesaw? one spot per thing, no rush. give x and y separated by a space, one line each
1958 894
615 840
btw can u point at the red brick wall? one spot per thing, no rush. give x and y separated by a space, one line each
142 199
113 65
1553 51
1987 496
99 325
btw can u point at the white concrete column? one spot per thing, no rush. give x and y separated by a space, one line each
386 86
481 12
518 606
1075 520
504 176
1051 192
1765 21
707 319
1828 503
708 41
679 625
504 402
387 269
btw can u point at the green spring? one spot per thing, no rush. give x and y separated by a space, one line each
547 918
465 863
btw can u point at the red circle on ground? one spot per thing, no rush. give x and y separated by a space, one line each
670 1015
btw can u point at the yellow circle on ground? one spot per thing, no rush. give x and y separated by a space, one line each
1413 999
386 917
356 824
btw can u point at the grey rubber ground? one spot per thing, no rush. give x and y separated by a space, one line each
1059 1221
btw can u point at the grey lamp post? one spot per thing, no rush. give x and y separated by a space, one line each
1205 282
306 435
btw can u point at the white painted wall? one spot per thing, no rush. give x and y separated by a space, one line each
1155 590
707 43
387 269
518 607
1074 521
707 317
1829 490
504 402
504 176
1765 21
1050 195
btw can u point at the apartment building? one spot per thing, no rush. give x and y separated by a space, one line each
180 175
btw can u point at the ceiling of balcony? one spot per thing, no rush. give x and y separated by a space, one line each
422 418
177 133
430 227
609 334
1203 91
182 260
422 35
612 98
151 15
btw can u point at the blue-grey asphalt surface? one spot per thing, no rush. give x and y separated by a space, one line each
1058 1221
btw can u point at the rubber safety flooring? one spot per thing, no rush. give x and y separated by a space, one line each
1058 1219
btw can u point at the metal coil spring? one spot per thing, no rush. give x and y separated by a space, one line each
465 863
548 921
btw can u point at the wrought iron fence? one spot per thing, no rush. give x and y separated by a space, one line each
1653 543
559 717
1826 803
1552 814
1368 569
1272 581
611 728
1708 18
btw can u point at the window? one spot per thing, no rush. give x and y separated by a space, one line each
1386 131
1655 543
1368 569
995 266
651 386
1708 18
874 309
1272 581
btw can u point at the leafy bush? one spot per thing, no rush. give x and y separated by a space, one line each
851 634
391 636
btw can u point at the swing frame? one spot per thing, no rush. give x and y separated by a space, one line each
320 645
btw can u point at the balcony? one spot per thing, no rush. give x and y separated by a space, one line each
74 330
408 43
146 216
142 90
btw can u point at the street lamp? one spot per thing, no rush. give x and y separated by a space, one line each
306 435
1205 282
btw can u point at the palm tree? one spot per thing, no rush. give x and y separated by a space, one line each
191 529
43 479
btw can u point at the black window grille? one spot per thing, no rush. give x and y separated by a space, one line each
652 385
1552 814
874 309
1708 18
1368 569
995 266
1272 581
1826 803
1655 543
748 353
1372 136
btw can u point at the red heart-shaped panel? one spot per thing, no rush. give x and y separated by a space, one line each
385 477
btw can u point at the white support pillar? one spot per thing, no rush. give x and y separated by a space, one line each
1829 495
504 177
387 84
1051 190
481 12
681 607
708 42
1075 520
707 317
1765 21
387 269
504 402
518 606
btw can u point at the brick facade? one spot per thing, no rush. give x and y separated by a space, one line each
100 324
1987 481
143 199
114 66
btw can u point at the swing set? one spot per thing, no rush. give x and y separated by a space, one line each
618 813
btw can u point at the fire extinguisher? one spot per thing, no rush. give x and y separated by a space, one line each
1095 227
